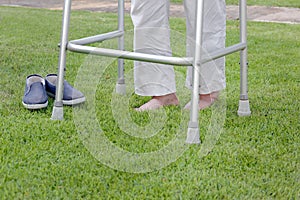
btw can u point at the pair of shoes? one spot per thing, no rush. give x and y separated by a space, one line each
37 90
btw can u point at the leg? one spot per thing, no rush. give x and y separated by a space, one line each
57 112
212 74
152 36
244 107
120 86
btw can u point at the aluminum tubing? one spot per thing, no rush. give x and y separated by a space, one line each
130 55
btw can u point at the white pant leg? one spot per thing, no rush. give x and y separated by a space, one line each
212 74
152 35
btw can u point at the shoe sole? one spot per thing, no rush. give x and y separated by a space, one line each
35 106
74 101
69 102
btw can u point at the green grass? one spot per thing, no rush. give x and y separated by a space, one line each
280 3
256 157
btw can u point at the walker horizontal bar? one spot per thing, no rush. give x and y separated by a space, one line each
130 55
223 52
98 38
153 58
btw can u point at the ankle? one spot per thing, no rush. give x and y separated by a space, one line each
167 99
209 97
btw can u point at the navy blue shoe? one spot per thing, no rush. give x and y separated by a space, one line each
35 96
71 95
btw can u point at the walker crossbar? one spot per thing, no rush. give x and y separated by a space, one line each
130 55
79 45
98 38
180 61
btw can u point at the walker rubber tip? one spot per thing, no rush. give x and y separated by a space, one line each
244 108
121 89
57 113
193 136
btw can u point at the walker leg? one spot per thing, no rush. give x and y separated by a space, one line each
57 112
193 135
120 86
244 106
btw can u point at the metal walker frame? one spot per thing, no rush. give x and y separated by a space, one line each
80 46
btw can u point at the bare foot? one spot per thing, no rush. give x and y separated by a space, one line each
159 101
205 101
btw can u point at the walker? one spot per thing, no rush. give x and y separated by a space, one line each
80 46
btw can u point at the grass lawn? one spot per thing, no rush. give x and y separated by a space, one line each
280 3
256 157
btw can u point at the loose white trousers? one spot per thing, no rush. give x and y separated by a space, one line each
152 35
